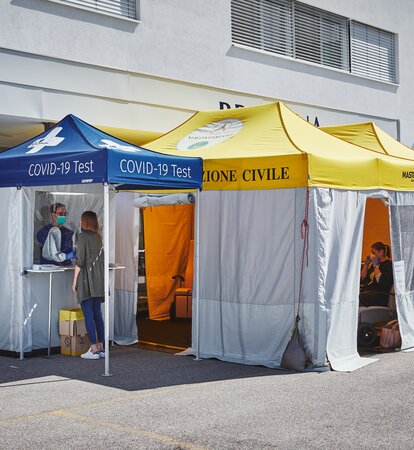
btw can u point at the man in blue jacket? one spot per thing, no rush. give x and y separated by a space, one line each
56 241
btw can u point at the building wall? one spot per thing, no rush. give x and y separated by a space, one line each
153 73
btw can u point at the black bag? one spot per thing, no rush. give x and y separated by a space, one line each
294 357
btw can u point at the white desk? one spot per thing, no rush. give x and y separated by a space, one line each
50 271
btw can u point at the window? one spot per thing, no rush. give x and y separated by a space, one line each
303 32
263 24
124 8
321 37
372 52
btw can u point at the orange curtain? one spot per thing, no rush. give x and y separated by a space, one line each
377 225
167 234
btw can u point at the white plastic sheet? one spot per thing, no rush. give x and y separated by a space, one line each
145 201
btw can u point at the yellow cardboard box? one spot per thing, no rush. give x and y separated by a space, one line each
72 322
73 336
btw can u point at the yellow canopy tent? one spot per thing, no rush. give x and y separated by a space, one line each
372 137
269 146
136 137
259 163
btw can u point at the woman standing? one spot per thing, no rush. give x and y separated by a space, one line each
88 282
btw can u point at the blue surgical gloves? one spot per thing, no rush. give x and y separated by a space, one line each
375 262
70 255
368 260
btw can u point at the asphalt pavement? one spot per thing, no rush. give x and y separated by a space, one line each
158 400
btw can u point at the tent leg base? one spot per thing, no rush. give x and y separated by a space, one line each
198 359
107 374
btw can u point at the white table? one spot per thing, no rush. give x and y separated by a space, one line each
50 271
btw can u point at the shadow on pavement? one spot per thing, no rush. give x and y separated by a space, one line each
132 369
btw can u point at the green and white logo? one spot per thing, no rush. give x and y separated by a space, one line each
211 134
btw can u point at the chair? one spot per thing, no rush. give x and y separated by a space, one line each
181 307
370 315
377 314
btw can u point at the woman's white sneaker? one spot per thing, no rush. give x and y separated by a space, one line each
101 354
90 355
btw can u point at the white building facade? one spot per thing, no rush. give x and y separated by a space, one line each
149 64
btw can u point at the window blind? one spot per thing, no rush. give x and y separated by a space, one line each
263 24
303 32
321 37
373 52
125 8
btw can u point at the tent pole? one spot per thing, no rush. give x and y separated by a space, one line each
106 276
21 288
197 273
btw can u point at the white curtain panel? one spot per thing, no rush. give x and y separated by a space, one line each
10 278
339 217
126 280
401 206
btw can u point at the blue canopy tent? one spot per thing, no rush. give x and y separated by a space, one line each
75 153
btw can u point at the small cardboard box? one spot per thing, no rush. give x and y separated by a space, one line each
74 345
73 337
72 322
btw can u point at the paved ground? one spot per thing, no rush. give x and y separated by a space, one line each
162 401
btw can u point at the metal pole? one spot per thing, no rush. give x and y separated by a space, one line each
21 287
106 276
49 330
197 272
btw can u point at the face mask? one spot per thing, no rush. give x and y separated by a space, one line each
61 220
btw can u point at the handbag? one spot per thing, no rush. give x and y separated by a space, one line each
390 335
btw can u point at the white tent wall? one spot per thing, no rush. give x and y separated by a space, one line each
314 316
401 206
247 271
10 278
250 259
339 224
24 299
126 281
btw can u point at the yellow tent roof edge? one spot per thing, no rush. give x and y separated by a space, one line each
374 128
279 108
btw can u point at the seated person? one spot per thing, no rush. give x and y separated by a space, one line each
376 277
56 241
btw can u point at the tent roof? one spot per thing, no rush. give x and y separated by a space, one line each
370 136
136 137
269 146
74 152
266 130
